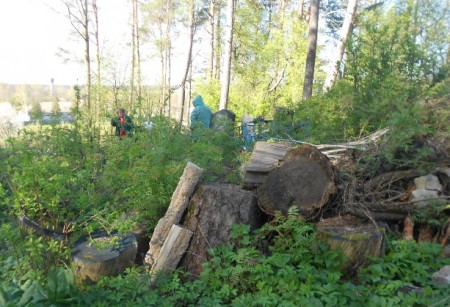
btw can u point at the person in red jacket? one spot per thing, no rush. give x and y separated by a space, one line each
123 123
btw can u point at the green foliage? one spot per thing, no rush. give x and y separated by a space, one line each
74 179
407 263
51 171
58 291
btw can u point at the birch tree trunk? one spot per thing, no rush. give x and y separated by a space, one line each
300 9
212 25
78 16
346 29
133 52
87 56
138 52
228 49
188 61
312 44
218 33
97 42
169 11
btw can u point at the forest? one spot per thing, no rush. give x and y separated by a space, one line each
387 68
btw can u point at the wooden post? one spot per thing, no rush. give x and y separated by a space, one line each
171 252
180 199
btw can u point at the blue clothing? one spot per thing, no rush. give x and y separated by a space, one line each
201 115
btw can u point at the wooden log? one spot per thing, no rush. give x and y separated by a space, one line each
36 228
306 179
264 158
172 251
358 239
103 255
180 199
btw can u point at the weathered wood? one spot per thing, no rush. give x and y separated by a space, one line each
94 258
211 214
265 157
180 199
375 215
381 181
359 240
174 247
305 179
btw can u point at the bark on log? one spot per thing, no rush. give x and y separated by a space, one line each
212 212
180 199
172 251
357 239
305 179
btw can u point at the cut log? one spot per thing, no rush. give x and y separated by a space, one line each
264 158
101 255
171 252
180 199
358 239
212 212
305 179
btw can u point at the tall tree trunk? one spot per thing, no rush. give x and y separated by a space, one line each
97 42
281 12
228 51
97 106
212 25
346 29
218 49
312 44
138 50
133 53
300 9
168 53
188 60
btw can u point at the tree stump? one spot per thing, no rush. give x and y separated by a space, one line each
357 238
305 178
103 255
212 212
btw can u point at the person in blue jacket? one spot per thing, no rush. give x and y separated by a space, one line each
201 114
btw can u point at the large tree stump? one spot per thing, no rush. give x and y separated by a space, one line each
180 199
359 239
212 212
306 179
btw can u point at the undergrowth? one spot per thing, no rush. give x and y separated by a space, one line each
281 264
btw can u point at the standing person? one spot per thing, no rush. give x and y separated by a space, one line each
201 114
123 123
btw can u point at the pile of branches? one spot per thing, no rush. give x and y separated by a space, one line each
372 186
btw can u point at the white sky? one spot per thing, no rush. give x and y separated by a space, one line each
32 33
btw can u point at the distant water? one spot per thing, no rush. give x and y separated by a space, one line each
13 120
18 118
